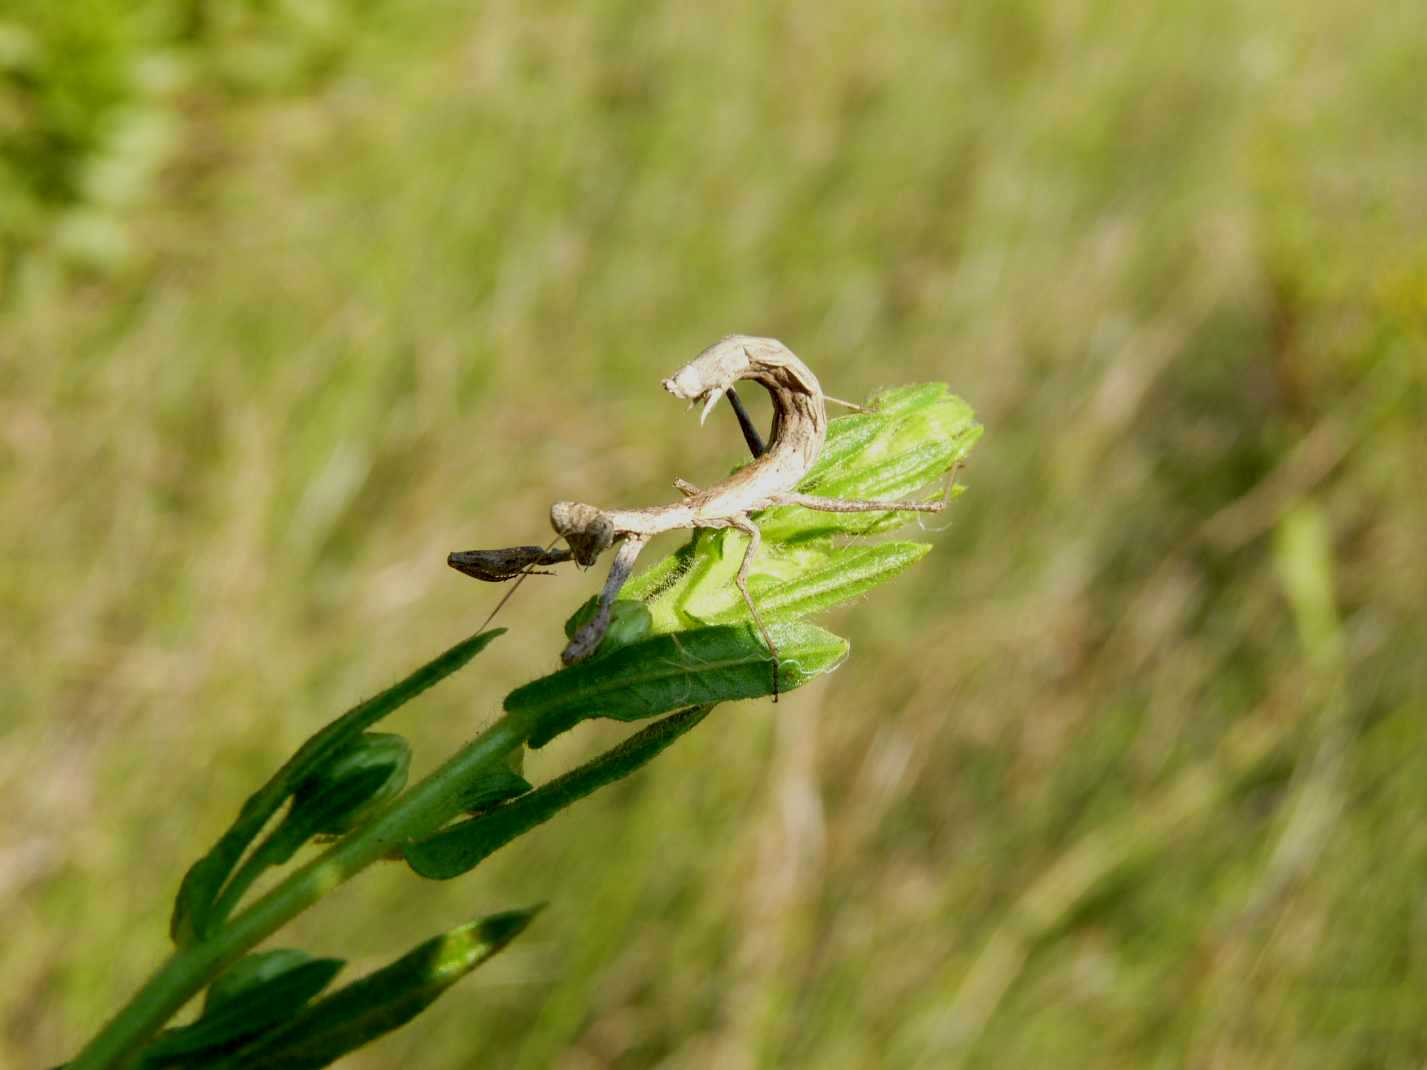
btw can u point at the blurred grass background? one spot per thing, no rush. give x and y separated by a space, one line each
297 297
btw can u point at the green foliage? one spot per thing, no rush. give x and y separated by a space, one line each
365 1010
494 785
258 972
910 437
194 914
342 793
1174 252
697 667
94 96
347 781
459 848
253 996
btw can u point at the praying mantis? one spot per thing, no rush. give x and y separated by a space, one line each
794 442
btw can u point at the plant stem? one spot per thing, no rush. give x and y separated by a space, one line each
421 809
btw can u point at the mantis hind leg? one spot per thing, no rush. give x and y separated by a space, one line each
755 540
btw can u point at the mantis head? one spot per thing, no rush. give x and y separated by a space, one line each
587 529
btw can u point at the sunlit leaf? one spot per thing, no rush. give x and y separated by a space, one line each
911 437
914 437
794 582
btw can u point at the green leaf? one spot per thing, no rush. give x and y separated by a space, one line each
316 803
629 622
255 994
380 1002
492 788
324 809
461 847
493 784
193 916
261 969
333 799
668 672
791 581
915 435
847 436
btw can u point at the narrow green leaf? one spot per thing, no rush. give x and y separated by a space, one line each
629 622
461 847
492 784
668 672
254 971
371 753
192 913
255 994
299 825
324 811
380 1002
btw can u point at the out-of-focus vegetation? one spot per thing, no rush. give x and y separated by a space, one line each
1134 773
95 96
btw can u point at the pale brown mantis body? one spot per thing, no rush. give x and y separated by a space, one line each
799 429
